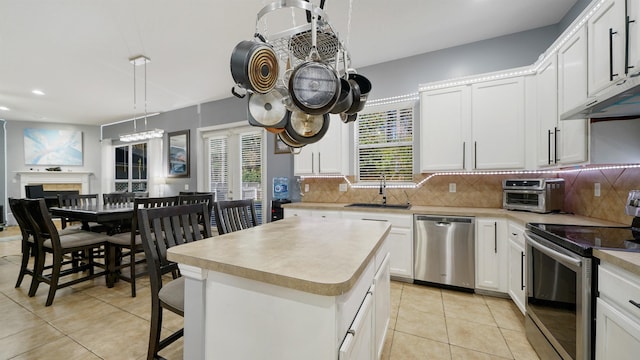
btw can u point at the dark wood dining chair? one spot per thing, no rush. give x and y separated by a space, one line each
196 198
160 229
78 200
80 244
234 215
124 247
28 244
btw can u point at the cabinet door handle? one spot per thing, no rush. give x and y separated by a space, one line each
313 162
464 158
611 74
521 270
495 237
319 164
475 155
556 130
626 42
549 146
635 304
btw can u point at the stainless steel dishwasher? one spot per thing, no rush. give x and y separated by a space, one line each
444 250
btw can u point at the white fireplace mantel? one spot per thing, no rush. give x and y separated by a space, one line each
54 177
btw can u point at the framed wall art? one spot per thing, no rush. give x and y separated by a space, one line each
280 147
52 147
178 154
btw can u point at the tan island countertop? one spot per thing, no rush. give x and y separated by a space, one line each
627 260
315 255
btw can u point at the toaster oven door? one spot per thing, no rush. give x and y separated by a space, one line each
523 200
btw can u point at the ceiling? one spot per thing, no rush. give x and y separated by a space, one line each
77 52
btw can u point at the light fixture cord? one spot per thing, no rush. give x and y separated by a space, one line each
145 94
134 98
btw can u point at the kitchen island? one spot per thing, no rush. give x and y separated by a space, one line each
291 289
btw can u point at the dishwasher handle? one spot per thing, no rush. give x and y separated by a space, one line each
442 220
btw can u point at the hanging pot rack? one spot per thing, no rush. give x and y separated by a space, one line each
315 41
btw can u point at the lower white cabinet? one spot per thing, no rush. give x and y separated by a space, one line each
617 314
382 305
289 212
517 264
491 263
399 241
358 344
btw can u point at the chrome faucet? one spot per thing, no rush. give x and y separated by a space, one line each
383 188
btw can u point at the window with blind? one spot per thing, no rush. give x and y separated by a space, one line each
384 143
235 161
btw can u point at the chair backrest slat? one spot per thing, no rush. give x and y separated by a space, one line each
234 215
20 214
78 200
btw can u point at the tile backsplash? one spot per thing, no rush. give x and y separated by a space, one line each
486 191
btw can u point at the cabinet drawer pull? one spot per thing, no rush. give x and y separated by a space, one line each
635 304
374 219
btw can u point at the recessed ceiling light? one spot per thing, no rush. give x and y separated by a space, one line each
4 108
38 92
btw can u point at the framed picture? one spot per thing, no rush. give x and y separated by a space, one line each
178 155
280 147
52 147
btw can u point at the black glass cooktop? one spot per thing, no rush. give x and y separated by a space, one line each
582 239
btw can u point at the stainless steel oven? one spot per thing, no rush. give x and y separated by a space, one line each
559 289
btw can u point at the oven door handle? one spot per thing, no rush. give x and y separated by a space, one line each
562 258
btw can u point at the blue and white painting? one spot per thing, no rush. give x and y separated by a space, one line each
52 147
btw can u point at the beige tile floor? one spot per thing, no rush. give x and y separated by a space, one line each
91 321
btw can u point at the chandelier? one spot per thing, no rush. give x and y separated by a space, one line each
146 134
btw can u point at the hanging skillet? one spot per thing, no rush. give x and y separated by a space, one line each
314 86
268 110
306 128
254 65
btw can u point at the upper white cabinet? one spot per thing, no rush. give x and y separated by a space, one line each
327 156
547 111
477 126
497 124
444 128
607 51
561 82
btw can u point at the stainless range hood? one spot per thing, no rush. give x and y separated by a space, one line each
621 100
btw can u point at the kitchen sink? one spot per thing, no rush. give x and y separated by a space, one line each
380 206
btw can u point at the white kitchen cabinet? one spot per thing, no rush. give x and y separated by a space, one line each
491 259
572 71
607 53
617 318
497 124
334 214
444 128
358 344
547 111
382 305
399 241
516 263
477 126
560 141
330 155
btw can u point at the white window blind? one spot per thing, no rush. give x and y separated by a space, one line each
219 167
385 144
251 152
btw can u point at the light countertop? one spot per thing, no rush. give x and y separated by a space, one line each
627 260
314 255
521 217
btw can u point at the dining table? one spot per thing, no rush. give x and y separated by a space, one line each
114 216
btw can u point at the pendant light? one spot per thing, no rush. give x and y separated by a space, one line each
146 134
